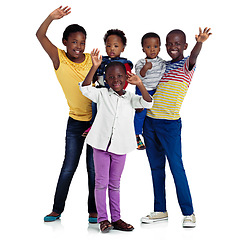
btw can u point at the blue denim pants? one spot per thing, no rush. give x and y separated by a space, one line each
139 117
163 139
73 150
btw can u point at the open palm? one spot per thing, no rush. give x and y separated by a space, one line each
203 36
60 12
96 59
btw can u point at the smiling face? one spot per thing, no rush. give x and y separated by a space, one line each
151 46
114 46
116 77
176 44
75 45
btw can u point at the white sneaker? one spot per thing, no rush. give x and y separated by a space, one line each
155 217
189 221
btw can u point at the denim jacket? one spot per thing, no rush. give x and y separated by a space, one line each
106 60
100 74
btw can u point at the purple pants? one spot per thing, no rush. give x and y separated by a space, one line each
108 171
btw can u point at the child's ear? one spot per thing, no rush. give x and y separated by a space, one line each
123 49
185 46
64 41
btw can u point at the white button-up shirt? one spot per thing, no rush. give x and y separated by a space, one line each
114 122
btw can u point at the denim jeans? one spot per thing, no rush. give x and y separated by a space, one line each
73 150
139 117
163 140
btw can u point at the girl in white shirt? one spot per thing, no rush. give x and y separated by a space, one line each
112 134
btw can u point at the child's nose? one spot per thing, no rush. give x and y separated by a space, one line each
115 80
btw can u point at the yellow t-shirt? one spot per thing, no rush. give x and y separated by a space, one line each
69 74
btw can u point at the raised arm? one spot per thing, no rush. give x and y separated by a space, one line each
135 80
96 60
202 37
43 39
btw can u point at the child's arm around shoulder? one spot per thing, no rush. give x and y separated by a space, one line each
202 37
43 39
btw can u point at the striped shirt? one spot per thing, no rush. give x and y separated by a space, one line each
153 75
171 90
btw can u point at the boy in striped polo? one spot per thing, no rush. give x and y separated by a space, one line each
162 128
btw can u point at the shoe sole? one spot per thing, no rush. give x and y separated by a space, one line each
189 225
154 220
106 230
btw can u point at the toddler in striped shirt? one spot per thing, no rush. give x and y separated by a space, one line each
150 70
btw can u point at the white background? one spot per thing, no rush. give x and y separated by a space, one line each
34 115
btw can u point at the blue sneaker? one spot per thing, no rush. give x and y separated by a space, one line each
51 218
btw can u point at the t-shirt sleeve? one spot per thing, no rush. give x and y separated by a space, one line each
186 68
138 68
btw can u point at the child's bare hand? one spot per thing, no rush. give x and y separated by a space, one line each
133 79
96 59
60 12
148 65
203 36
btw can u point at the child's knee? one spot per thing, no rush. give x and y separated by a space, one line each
101 183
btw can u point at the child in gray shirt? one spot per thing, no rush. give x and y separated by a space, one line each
150 70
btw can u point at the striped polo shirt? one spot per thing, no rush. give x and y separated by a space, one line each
171 90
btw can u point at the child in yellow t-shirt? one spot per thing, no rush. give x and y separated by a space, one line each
71 67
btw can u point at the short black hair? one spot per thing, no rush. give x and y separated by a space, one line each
114 64
178 31
150 35
117 32
72 29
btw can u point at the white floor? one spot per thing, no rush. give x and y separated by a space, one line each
29 199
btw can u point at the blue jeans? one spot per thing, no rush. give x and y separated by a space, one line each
139 117
73 150
163 139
